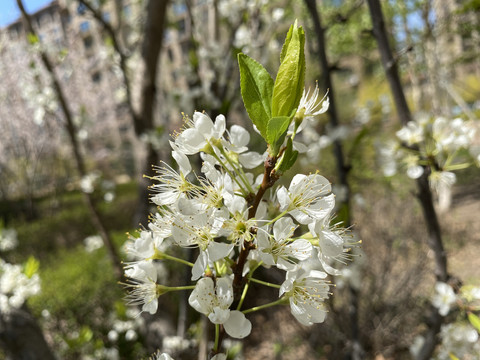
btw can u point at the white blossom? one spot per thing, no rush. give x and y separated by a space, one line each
143 286
307 199
280 249
444 298
214 300
307 292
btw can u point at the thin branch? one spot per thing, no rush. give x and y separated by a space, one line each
72 133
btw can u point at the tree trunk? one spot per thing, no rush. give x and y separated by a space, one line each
424 193
152 44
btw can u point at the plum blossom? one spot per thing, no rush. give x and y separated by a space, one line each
306 292
308 198
310 106
333 243
201 230
200 132
444 298
214 301
280 249
15 286
143 284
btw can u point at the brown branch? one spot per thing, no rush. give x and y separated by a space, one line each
435 241
152 44
388 61
269 179
72 133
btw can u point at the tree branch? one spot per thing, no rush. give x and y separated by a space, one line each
424 193
72 133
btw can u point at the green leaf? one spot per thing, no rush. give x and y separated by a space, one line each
285 44
474 320
276 130
289 84
288 158
31 266
256 86
453 357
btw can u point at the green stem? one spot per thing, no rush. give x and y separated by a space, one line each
179 288
278 217
238 169
450 159
217 337
229 172
265 283
245 289
160 256
244 294
261 307
456 167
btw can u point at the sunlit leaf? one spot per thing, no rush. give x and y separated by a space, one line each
256 87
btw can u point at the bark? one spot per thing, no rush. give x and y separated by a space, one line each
388 61
355 350
424 193
152 44
22 338
78 157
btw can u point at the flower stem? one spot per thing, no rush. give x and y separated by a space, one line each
179 288
229 172
278 217
160 256
217 336
265 283
261 307
245 289
239 170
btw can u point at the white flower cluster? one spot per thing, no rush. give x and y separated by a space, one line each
459 339
15 286
445 298
437 144
224 215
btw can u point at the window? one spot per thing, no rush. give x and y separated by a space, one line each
106 16
88 42
181 27
84 26
97 77
179 9
127 11
81 9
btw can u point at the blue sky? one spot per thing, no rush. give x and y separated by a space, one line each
9 11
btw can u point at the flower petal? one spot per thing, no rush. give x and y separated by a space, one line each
237 325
